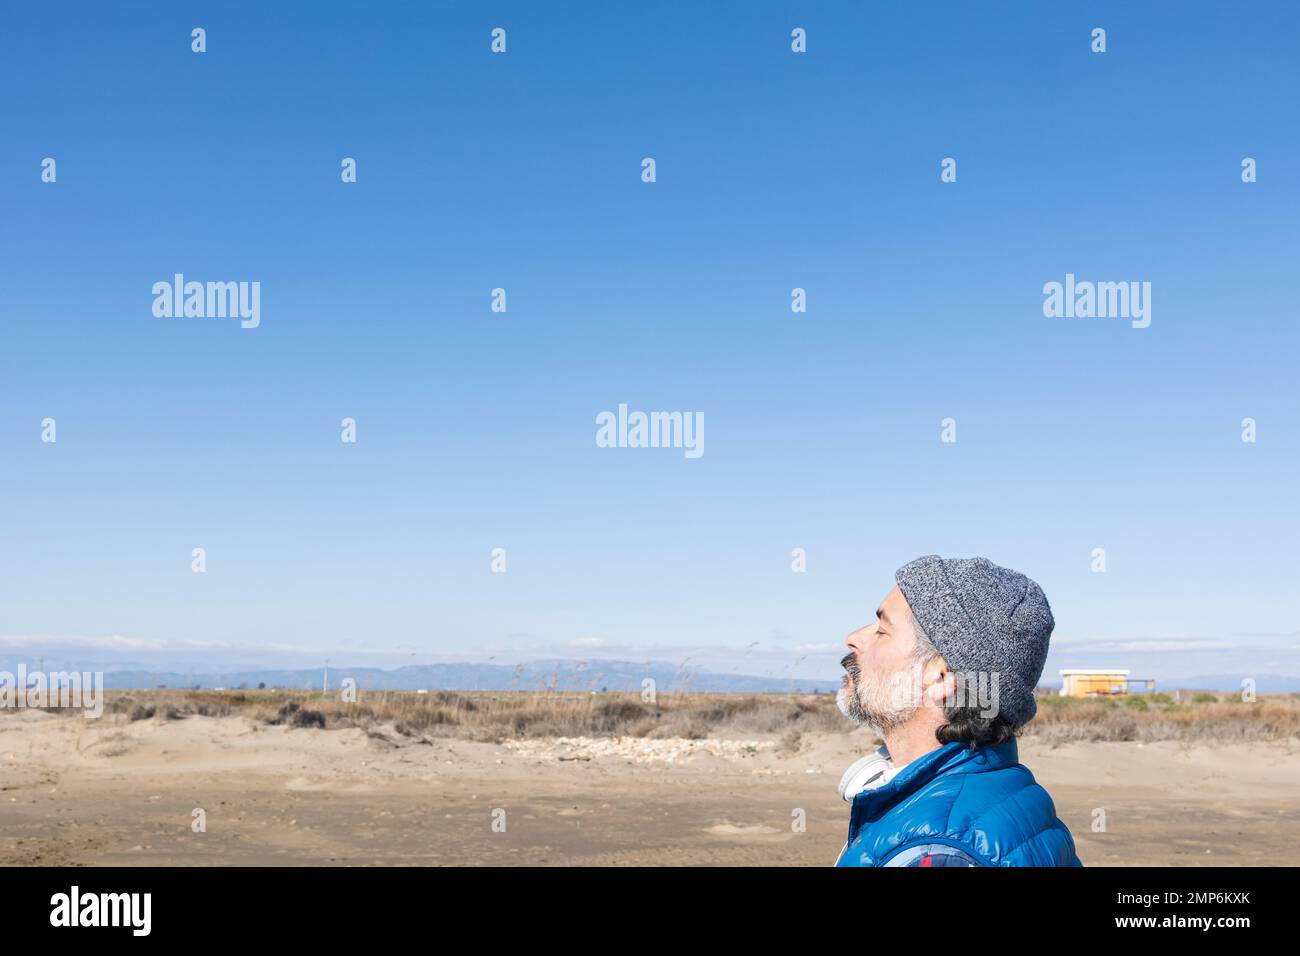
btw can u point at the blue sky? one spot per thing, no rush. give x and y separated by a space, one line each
476 430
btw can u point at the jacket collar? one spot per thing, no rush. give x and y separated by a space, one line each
949 758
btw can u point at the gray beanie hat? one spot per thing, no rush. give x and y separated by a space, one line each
984 619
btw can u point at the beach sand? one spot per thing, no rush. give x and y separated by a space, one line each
114 792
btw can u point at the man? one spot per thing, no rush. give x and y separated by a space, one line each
946 676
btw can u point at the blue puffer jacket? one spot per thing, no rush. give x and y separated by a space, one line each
981 801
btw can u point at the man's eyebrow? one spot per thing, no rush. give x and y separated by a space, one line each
881 615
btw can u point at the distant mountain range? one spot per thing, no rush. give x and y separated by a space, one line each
567 675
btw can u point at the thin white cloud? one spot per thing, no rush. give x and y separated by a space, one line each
110 642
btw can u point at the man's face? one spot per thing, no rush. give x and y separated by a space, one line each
882 680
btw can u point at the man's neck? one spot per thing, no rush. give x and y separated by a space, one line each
905 744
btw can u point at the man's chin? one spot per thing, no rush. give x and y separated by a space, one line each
845 702
842 702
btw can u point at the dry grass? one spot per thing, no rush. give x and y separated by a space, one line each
495 716
492 716
1148 717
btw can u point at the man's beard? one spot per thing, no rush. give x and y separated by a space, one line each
881 704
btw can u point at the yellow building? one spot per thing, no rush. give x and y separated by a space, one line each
1088 682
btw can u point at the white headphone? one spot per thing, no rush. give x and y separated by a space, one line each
872 771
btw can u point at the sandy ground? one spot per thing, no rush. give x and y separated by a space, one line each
78 792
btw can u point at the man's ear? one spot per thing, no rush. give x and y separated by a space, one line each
940 682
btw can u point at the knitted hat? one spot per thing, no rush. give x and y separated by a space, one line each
984 619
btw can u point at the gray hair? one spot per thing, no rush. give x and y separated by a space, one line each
924 650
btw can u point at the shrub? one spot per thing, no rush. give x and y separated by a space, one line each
294 714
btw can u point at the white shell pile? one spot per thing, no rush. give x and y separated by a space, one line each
637 749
